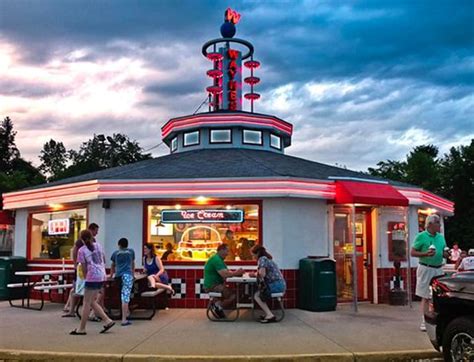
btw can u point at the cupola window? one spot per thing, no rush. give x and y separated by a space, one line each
252 137
221 136
191 138
275 141
174 144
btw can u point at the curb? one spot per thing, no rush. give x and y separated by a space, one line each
392 356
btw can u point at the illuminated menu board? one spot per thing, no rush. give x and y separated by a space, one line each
58 227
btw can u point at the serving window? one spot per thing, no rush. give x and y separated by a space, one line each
193 232
52 234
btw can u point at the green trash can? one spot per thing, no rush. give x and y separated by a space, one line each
8 266
317 284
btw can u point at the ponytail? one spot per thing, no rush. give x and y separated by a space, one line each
87 238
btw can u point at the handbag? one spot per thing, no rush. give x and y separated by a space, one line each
80 281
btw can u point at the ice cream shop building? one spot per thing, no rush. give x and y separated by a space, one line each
227 179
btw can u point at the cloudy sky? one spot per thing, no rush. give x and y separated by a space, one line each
360 81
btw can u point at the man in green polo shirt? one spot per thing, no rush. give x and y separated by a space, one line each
215 272
429 247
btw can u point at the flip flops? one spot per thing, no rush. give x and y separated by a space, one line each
76 333
271 320
126 323
107 327
68 315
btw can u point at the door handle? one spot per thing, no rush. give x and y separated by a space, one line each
367 260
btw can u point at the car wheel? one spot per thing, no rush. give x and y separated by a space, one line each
458 340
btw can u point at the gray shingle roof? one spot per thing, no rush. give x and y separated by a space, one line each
219 163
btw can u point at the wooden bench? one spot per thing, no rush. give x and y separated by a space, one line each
149 295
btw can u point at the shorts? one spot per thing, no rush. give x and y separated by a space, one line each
127 285
278 286
424 274
94 285
164 279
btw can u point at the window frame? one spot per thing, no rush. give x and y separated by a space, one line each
44 210
196 204
252 143
174 147
279 140
193 144
220 142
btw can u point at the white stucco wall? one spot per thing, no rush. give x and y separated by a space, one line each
295 228
123 219
21 223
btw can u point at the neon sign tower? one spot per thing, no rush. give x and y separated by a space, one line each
225 93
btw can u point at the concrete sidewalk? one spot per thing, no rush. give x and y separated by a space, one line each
376 333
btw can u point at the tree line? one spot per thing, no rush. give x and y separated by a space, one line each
450 175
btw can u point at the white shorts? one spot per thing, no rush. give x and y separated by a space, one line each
424 274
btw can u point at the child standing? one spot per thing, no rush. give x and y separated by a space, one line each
123 265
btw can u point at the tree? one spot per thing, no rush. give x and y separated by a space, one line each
451 176
422 168
392 170
102 152
8 149
54 159
457 180
15 172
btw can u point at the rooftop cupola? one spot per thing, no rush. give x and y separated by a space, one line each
226 125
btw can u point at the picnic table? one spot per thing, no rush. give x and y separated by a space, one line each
29 285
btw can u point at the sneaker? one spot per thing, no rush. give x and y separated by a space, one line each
220 312
423 327
213 310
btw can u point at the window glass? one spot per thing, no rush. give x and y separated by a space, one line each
53 233
191 138
174 144
275 141
193 233
252 137
221 136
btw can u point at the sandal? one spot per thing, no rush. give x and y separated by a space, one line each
76 333
107 327
126 323
270 320
68 315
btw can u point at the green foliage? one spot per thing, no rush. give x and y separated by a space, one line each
8 150
54 159
102 152
451 176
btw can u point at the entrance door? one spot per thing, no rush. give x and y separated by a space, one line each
344 249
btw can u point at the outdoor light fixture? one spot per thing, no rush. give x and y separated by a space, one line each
177 207
201 200
56 206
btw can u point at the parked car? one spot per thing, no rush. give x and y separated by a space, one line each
450 318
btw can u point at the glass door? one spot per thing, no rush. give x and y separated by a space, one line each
344 251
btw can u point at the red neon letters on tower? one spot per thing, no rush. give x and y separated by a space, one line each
232 84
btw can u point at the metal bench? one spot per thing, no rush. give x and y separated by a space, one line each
26 286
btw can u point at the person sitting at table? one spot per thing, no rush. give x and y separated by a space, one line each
153 267
215 272
270 277
123 265
92 258
168 254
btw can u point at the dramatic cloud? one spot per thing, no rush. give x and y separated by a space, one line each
361 82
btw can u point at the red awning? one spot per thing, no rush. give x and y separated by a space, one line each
352 192
6 218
